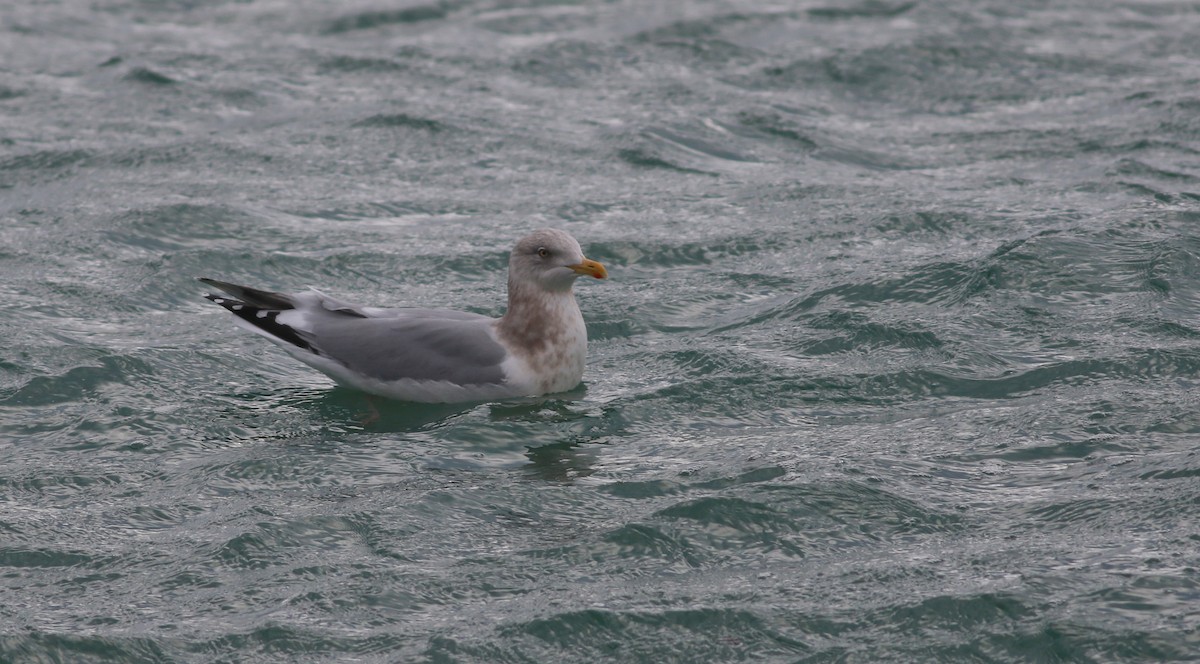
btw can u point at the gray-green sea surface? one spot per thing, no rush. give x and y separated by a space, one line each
898 361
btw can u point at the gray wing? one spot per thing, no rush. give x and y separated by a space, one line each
417 347
386 344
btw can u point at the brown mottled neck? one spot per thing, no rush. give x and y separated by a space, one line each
532 322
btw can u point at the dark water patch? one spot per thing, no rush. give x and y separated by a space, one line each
356 64
720 527
251 551
189 580
932 222
46 160
864 510
371 210
1146 180
761 283
689 634
1151 596
59 484
567 461
699 29
142 157
338 404
1049 264
1181 121
1073 450
921 384
948 282
776 127
89 582
1134 167
723 405
182 226
1158 363
568 63
727 41
947 612
650 543
446 649
401 121
645 158
148 76
1148 192
703 52
274 470
643 489
1065 514
43 646
753 476
1041 144
550 441
706 46
710 363
773 77
735 513
939 74
868 9
938 283
896 573
939 70
1171 474
1174 422
1148 185
800 521
178 154
670 255
376 19
862 335
78 383
21 558
241 98
270 640
1064 641
146 518
532 21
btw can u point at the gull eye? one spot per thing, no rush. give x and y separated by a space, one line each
543 252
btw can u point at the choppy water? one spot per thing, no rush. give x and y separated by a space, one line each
898 361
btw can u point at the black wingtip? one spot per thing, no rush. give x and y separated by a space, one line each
257 297
262 318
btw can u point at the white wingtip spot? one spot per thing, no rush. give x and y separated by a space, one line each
219 301
237 307
261 314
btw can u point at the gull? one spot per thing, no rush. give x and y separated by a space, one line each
539 345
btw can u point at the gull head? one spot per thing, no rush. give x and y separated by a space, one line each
551 260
